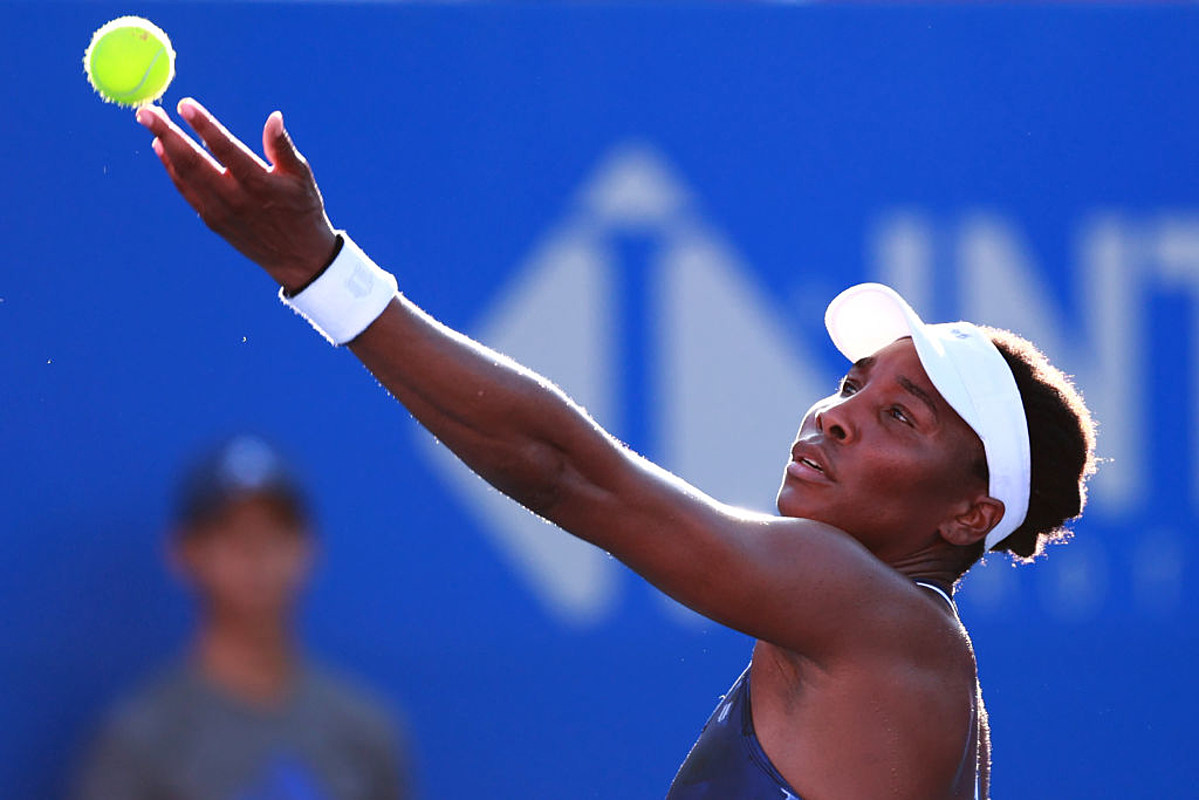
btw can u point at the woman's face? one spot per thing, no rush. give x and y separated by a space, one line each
886 459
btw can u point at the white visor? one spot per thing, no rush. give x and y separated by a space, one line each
967 369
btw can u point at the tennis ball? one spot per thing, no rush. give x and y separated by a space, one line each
130 61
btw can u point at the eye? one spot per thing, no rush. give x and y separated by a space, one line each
847 387
900 414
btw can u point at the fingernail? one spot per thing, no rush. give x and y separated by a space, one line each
157 146
143 117
186 109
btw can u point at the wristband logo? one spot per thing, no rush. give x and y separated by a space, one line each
360 282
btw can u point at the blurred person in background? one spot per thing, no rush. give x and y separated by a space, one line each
245 715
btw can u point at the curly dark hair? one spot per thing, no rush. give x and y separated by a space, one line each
1061 435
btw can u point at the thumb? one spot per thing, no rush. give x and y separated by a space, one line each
279 148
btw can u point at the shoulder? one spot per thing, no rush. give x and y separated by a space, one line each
874 613
923 629
926 650
128 745
141 715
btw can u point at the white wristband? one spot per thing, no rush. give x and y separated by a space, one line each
348 296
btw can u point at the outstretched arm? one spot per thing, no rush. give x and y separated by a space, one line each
518 431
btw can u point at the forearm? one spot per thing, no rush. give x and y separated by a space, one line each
511 426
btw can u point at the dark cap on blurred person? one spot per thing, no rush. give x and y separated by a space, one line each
238 468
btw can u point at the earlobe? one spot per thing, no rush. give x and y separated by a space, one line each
970 527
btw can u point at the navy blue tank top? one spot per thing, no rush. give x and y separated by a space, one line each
727 762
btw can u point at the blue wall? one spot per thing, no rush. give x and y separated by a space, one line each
643 201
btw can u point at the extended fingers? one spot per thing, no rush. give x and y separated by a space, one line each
205 203
195 174
231 151
189 158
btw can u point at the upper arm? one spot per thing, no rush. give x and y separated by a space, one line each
796 583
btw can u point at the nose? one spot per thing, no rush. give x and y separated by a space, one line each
836 420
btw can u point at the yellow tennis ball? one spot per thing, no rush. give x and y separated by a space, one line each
130 61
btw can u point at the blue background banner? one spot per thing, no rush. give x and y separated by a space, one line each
651 204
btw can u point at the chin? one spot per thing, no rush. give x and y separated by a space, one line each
793 502
790 503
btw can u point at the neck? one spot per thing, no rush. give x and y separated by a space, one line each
254 662
938 564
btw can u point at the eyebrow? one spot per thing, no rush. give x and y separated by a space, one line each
924 396
864 365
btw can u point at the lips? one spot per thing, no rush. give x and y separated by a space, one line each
809 460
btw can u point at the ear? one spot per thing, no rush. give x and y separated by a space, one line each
973 525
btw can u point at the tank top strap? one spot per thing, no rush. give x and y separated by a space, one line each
940 591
